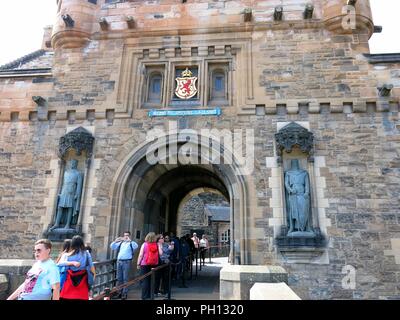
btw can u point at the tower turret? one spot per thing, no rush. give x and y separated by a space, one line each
74 23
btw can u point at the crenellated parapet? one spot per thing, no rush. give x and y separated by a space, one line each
79 21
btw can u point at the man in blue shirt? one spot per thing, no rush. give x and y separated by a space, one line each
125 250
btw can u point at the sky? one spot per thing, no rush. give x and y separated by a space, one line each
22 23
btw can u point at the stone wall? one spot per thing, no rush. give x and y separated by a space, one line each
361 173
281 73
192 215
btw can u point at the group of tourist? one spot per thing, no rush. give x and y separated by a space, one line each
157 250
67 278
71 275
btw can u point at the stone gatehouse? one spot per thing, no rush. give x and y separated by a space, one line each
294 79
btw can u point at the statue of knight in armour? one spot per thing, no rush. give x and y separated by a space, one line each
68 204
297 190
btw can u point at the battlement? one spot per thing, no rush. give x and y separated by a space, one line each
79 21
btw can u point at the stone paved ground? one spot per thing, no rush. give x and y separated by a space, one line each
205 287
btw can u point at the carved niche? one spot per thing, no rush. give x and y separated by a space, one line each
292 135
70 214
80 140
307 246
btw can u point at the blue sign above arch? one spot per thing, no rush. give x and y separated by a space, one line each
180 113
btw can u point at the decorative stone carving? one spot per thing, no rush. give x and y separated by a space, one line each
278 13
248 12
69 22
130 22
308 11
80 140
42 108
294 135
385 90
39 100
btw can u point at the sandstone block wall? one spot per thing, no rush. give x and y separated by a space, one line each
295 71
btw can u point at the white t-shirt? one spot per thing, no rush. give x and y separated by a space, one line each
203 243
39 279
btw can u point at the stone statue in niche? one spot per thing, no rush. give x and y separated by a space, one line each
298 204
68 204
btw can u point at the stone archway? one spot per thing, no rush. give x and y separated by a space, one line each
141 191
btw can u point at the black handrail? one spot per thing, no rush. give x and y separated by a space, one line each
107 293
188 262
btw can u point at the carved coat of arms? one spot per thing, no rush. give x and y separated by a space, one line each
186 85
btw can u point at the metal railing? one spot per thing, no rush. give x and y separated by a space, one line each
106 273
211 252
108 292
106 276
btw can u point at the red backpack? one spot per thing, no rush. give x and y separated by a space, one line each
152 254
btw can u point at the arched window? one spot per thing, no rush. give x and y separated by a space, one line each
154 88
219 85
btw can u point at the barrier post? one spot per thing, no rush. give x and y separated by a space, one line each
107 292
169 280
197 256
152 283
200 254
191 266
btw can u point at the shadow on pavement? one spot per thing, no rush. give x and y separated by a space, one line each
204 287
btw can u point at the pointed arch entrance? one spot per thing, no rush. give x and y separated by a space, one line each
145 196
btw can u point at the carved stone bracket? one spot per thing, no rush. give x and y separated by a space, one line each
314 239
79 139
301 249
294 135
59 235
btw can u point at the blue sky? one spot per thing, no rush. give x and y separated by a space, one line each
22 22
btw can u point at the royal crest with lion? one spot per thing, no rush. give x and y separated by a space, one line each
186 85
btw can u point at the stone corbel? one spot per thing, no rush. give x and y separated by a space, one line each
247 14
130 22
308 11
278 13
104 25
42 107
69 22
385 90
